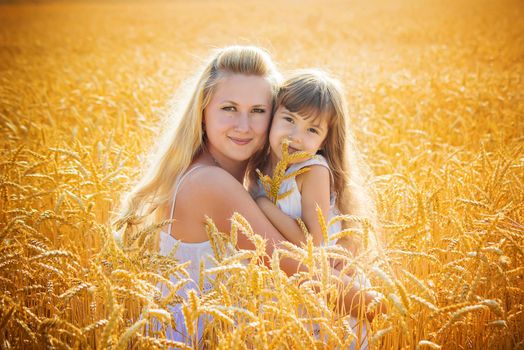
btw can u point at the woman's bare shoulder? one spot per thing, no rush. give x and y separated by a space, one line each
213 192
212 182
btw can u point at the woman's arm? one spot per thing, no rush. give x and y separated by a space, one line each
213 192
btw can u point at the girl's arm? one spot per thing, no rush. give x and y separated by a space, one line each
285 224
315 189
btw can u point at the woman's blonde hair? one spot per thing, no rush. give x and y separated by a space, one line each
185 137
314 94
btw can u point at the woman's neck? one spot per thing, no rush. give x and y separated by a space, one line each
236 168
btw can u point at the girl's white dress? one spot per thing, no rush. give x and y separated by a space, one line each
292 206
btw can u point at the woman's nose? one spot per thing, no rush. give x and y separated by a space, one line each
242 122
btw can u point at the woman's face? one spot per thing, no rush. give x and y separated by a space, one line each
236 120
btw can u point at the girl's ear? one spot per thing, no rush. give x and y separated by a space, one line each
324 144
322 148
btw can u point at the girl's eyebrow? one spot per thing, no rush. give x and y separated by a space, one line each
296 115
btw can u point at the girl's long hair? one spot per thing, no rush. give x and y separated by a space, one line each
184 138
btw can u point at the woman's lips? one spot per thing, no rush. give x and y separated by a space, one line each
240 141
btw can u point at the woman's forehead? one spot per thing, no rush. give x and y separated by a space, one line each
243 89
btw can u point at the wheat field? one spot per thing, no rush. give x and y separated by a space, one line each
436 93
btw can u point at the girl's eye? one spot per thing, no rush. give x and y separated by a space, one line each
229 108
288 119
313 130
259 110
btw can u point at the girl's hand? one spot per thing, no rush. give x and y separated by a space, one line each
381 308
339 265
262 201
265 205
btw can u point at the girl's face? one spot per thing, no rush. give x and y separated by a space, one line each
305 135
237 117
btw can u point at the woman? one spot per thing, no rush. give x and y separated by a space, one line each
201 170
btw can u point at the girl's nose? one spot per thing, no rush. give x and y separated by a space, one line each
294 136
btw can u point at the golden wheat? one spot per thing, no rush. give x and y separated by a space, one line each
435 89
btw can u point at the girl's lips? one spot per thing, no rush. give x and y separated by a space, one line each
292 149
240 141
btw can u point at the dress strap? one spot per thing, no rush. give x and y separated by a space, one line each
177 188
317 159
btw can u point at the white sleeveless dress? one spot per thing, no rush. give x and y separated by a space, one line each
292 206
194 253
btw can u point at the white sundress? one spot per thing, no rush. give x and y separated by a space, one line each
193 252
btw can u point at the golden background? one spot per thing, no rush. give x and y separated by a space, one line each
436 96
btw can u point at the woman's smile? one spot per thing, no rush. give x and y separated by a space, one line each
240 141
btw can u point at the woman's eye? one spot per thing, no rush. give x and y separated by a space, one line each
229 108
259 110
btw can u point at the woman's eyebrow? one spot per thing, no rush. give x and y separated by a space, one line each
231 102
236 104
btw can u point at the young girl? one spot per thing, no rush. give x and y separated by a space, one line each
311 116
